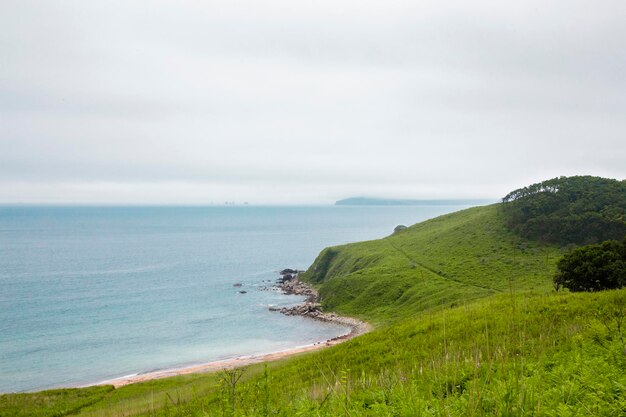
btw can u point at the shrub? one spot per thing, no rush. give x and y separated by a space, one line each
593 267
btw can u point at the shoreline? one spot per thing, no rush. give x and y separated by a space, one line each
289 283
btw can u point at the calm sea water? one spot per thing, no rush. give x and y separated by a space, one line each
90 293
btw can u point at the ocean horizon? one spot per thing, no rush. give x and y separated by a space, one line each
94 293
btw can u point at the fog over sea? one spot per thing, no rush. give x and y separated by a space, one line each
93 293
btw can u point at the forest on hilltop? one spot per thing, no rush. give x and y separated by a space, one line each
568 210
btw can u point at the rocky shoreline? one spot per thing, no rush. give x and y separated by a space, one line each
289 283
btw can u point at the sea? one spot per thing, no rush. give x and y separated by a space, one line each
89 294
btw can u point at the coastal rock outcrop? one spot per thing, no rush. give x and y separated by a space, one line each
286 277
311 308
306 309
297 287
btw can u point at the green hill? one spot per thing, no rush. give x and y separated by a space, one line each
466 323
456 257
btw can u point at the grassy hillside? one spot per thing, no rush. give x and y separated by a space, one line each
51 403
456 257
467 323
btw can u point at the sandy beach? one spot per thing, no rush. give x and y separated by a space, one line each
357 328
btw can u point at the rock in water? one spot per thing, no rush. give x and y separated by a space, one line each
286 277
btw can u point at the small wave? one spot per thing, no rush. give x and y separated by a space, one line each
106 381
206 320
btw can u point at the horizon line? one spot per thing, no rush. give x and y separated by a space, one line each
458 201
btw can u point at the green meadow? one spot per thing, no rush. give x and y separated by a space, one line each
466 323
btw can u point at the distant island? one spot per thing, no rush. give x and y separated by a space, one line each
372 201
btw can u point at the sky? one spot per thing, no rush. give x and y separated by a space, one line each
306 102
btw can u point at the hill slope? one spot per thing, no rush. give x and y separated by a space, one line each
456 257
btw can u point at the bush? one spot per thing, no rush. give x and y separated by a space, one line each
593 267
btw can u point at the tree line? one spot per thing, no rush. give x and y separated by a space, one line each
571 211
568 210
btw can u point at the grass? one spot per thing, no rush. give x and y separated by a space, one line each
52 403
457 257
467 323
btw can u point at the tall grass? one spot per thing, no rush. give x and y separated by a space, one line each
524 355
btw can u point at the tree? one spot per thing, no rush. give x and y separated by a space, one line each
568 210
593 267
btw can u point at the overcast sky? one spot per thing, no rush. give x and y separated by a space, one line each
193 102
